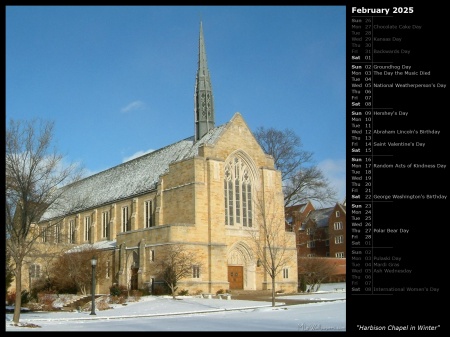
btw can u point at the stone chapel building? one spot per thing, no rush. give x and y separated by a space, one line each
200 192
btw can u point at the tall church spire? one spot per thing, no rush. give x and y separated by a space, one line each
203 97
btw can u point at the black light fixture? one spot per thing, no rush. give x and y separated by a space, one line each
93 264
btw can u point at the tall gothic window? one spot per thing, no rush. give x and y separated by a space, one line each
238 193
87 228
126 224
105 224
43 233
148 214
71 231
58 238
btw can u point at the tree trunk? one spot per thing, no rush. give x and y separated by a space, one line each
273 290
172 287
18 301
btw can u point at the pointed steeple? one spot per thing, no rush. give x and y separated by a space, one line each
203 97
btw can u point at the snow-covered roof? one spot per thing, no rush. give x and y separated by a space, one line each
297 208
133 177
321 216
99 245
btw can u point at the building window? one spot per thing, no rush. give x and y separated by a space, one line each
338 226
327 243
152 255
72 231
310 244
35 270
108 269
340 254
148 214
125 221
285 272
195 271
238 193
58 238
311 255
339 239
338 214
87 227
309 231
43 233
105 225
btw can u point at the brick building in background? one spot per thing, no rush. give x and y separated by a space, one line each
320 233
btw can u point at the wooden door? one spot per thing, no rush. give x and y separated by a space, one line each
134 279
236 277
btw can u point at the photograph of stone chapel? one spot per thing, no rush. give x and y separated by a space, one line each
209 193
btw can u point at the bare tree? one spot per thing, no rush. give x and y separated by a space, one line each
73 269
34 173
174 263
315 271
272 242
45 256
302 179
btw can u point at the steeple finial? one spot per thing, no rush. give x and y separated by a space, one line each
203 97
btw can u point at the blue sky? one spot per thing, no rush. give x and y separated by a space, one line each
118 81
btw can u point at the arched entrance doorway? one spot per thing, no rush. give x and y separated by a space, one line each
241 267
132 270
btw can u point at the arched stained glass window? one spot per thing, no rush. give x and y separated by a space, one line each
238 193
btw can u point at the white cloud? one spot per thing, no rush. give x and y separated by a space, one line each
136 154
136 105
88 172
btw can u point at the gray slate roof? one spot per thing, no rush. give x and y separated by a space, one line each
131 178
320 216
99 245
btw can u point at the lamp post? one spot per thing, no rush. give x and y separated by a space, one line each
93 264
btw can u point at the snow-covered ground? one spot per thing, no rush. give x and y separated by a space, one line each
162 313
